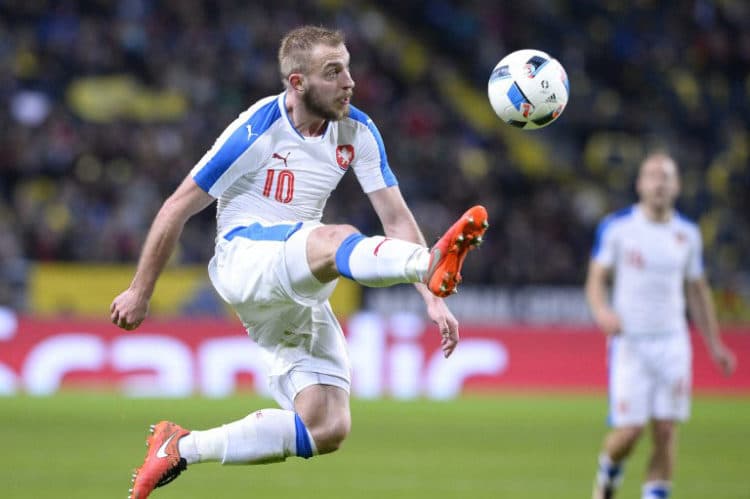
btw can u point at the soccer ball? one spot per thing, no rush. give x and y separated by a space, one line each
528 89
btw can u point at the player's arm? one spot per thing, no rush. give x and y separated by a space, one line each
130 307
703 314
597 298
399 223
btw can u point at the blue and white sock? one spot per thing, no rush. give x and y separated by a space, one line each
609 474
381 261
266 436
656 489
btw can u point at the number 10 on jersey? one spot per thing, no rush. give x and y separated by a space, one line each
284 185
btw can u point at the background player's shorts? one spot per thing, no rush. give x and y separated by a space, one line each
283 307
649 378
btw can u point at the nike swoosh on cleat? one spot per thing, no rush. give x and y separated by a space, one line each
161 453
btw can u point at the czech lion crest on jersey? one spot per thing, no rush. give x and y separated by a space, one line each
344 156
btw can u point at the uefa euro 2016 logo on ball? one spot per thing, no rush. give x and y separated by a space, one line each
528 89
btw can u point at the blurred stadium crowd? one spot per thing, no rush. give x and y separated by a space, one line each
106 105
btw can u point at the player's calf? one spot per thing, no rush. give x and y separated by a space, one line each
266 436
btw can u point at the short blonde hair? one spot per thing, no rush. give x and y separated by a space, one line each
659 155
294 52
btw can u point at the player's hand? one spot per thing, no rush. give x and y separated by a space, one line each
438 312
724 359
608 321
128 309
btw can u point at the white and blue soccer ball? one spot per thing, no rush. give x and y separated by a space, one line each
528 89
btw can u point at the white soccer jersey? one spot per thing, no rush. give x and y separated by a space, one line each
263 170
651 262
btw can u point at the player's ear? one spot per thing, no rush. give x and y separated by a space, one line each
297 82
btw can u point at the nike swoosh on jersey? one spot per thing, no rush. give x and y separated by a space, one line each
161 453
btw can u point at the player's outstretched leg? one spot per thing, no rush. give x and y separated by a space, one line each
448 254
163 462
381 261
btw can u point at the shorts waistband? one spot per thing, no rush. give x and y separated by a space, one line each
258 232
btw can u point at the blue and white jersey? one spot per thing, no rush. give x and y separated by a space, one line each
651 262
263 170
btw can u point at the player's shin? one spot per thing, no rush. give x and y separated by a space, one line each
381 261
265 436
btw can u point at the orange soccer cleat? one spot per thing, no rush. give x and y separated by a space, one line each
448 254
163 462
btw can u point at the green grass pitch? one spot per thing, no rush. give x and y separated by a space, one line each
83 445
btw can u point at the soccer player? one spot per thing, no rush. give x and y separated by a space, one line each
655 255
272 170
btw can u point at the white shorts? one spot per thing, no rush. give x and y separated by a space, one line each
649 378
283 307
285 388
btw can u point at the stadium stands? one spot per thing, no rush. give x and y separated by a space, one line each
107 105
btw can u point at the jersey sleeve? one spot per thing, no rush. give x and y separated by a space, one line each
371 161
695 259
605 243
236 151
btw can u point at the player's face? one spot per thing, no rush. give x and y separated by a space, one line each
658 182
329 84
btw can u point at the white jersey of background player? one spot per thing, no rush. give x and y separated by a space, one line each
655 256
272 171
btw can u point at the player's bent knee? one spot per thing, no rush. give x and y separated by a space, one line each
331 236
322 246
329 438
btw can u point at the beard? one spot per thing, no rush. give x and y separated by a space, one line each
314 103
